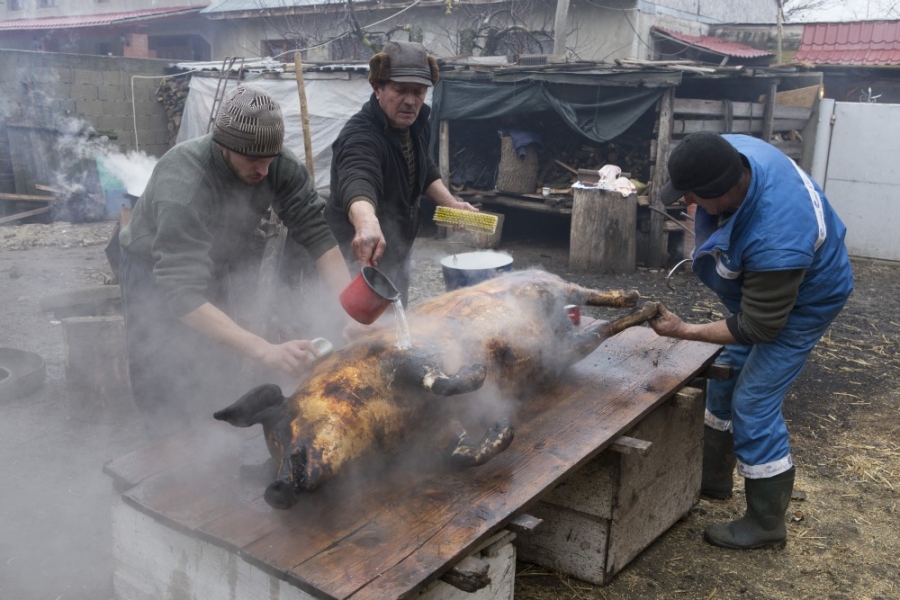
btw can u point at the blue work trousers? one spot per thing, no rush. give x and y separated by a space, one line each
750 402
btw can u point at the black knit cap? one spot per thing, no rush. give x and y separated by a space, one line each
250 123
703 163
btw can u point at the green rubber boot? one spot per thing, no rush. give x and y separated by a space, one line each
763 524
718 463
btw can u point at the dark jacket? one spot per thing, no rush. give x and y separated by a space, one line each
368 161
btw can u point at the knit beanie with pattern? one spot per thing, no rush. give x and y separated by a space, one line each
250 123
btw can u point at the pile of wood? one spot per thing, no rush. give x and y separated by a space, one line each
172 93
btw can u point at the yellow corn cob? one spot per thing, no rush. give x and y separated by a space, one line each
466 218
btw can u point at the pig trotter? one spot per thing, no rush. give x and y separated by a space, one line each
463 452
467 379
607 329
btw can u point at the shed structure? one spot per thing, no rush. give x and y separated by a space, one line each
630 113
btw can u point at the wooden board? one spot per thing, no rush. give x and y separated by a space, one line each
387 528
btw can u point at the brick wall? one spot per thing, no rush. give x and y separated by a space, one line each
45 88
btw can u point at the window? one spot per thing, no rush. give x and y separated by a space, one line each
16 4
283 49
47 3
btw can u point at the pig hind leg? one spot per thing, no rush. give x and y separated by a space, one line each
465 452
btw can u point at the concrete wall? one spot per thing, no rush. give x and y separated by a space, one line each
594 31
41 87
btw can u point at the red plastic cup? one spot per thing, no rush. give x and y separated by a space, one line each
368 295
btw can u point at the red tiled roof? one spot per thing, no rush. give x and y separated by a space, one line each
713 44
857 43
99 20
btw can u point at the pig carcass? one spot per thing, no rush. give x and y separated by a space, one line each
512 331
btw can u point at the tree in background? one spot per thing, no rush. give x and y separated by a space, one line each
834 10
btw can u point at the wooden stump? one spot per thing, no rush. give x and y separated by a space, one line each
97 368
603 232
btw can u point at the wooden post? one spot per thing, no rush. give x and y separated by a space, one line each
769 119
603 232
559 27
304 115
656 251
267 280
444 156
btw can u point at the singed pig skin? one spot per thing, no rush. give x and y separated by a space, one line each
511 331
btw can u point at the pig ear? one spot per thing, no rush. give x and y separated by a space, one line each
250 408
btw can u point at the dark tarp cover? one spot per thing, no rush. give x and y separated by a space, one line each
598 112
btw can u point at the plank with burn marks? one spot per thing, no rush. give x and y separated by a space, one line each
378 532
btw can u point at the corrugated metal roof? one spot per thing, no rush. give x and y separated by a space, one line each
713 44
98 20
856 43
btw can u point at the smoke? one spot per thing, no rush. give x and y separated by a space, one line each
89 174
133 169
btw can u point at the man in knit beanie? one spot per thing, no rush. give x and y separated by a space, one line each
195 221
381 166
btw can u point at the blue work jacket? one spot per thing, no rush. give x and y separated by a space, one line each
784 223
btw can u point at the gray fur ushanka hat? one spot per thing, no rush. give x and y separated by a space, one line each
250 123
404 62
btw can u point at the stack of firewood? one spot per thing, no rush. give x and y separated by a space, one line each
172 92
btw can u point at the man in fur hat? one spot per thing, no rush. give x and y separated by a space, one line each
194 221
381 167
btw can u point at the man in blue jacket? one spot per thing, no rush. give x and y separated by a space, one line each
772 248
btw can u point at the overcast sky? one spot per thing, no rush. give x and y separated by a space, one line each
852 10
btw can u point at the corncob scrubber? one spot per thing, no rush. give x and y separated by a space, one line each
475 221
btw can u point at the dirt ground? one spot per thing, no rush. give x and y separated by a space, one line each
843 413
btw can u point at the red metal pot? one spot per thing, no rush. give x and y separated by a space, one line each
368 295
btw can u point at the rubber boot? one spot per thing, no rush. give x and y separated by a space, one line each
718 463
763 524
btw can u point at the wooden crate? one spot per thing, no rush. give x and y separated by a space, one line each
154 560
608 511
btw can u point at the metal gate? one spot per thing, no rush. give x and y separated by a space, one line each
857 155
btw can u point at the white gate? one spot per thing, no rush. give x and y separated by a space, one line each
858 157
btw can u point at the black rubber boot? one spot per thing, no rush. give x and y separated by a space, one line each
718 463
763 524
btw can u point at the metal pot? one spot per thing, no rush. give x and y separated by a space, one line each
368 295
469 268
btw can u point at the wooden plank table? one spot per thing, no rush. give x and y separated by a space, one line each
379 532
